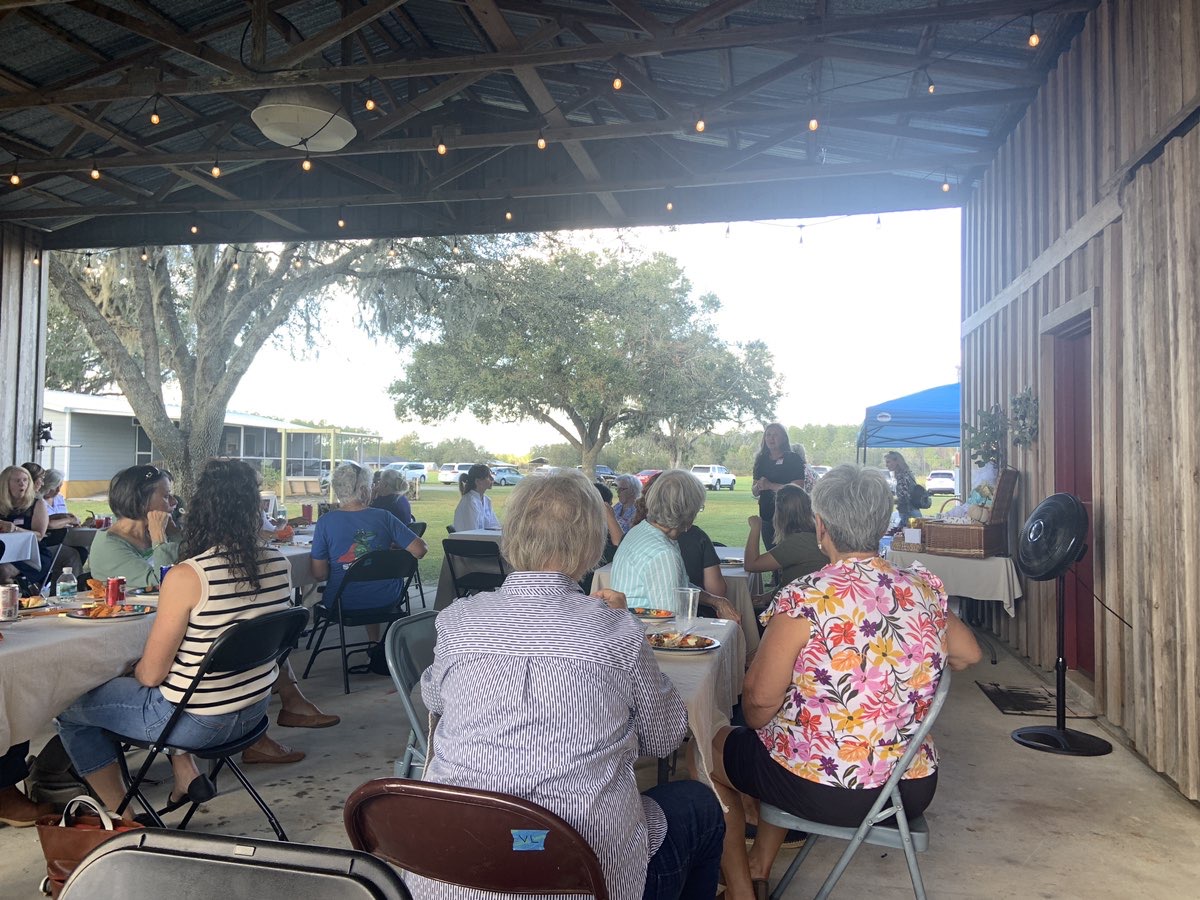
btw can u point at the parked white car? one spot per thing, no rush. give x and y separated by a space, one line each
941 481
820 471
449 472
714 477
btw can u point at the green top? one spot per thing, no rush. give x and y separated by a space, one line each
798 555
114 557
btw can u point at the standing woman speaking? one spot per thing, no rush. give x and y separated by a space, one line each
776 465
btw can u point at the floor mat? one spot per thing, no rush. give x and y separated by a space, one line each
1036 700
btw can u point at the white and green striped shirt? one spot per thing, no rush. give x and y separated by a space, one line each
648 568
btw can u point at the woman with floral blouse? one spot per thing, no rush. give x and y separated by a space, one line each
846 671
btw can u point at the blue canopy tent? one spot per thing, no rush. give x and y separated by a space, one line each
930 418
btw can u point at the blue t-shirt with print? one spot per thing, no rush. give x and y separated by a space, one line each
342 537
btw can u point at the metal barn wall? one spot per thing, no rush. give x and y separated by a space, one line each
22 343
1088 216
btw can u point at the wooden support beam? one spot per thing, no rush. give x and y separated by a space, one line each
258 33
714 12
777 34
640 16
344 27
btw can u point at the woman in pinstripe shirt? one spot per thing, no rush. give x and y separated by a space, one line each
551 695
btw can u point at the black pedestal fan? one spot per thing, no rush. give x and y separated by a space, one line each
1051 542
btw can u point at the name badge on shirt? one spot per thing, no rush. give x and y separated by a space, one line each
528 840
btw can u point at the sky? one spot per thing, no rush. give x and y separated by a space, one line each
856 310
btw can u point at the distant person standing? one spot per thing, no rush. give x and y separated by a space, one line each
775 465
906 486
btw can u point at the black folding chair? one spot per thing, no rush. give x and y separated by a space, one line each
450 529
246 645
418 528
378 565
148 864
473 582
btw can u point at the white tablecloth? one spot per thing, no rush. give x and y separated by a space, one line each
20 546
739 585
299 557
47 663
991 578
709 683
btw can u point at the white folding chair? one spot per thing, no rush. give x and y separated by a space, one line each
909 835
408 647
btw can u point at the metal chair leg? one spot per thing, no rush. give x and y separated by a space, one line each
793 868
262 804
313 656
345 662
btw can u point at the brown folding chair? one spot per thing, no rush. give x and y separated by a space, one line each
420 826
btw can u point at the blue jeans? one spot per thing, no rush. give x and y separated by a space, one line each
688 862
125 707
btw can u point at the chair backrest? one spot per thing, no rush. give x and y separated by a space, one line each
380 817
408 648
469 549
149 864
393 564
450 529
918 738
418 528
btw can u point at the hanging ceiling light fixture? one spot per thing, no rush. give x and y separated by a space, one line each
304 116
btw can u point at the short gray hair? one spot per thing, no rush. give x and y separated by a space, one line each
675 499
351 482
855 503
631 482
554 524
392 480
52 480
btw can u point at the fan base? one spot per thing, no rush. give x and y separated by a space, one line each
1065 741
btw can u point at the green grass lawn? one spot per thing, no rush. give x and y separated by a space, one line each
724 517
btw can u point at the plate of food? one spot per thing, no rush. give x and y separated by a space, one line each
678 642
104 612
37 601
649 614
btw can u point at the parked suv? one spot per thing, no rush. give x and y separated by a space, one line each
603 473
413 471
714 477
449 472
941 481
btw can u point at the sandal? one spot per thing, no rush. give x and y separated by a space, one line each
201 790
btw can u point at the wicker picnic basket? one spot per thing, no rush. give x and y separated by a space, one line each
976 541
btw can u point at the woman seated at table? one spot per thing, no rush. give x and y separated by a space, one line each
847 668
46 483
474 511
137 545
390 489
351 531
226 575
701 562
648 568
552 695
628 491
21 509
796 551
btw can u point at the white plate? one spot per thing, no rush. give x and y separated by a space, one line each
713 646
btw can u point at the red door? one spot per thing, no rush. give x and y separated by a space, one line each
1073 474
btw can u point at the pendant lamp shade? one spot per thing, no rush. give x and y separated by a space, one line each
293 116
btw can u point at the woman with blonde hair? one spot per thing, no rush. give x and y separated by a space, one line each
22 509
390 487
474 510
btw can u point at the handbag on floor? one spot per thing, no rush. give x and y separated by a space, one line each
67 840
52 778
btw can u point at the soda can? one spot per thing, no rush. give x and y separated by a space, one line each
162 573
10 602
114 592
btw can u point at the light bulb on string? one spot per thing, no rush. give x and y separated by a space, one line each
195 229
306 165
391 250
930 86
617 83
145 255
299 263
454 248
15 178
1034 39
87 265
441 148
37 260
541 141
813 124
216 166
369 105
508 216
95 173
155 118
341 219
946 184
670 206
700 124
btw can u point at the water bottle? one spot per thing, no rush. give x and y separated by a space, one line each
67 585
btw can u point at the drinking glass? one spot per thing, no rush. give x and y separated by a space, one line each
687 602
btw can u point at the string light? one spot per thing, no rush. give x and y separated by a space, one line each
15 178
299 263
195 229
618 83
541 141
508 216
391 250
813 124
237 258
946 184
454 247
1034 40
341 219
37 260
441 148
306 165
670 206
930 86
145 255
700 126
370 104
216 166
155 118
87 265
95 173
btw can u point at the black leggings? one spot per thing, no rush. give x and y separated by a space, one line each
12 765
754 772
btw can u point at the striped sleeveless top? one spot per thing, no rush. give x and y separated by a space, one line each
225 600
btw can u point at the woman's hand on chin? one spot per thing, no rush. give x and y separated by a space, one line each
612 599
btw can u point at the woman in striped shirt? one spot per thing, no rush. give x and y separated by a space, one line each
551 695
225 576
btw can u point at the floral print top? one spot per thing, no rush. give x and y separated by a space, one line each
867 676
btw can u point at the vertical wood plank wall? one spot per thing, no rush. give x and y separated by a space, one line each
22 343
1092 201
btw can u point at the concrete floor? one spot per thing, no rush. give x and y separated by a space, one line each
1007 821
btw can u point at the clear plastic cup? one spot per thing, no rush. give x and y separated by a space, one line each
687 603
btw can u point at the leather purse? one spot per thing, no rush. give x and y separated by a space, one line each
67 840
